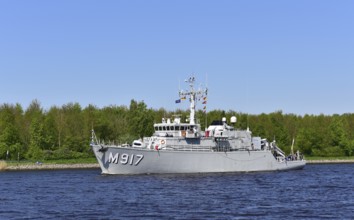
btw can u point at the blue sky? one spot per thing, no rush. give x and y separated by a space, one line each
258 56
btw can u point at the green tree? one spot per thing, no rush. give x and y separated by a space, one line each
279 131
141 119
349 148
37 140
259 124
307 141
53 125
10 141
339 137
73 133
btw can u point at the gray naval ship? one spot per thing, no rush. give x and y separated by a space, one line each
177 147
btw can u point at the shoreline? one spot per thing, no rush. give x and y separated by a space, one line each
44 166
51 166
329 161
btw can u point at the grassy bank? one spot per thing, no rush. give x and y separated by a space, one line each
3 165
81 163
62 161
85 163
309 158
319 160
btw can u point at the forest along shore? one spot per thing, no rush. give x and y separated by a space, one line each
64 132
43 166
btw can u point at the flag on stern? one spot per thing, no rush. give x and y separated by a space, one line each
178 101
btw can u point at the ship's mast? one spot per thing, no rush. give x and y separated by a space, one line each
193 96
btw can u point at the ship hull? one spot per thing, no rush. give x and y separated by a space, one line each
122 160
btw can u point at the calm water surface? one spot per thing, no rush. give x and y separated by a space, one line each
316 192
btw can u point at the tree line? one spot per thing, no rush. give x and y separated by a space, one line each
65 132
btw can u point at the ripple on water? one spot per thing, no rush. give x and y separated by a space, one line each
316 192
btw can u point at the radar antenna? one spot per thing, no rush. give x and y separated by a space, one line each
194 96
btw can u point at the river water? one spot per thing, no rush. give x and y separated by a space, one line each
316 192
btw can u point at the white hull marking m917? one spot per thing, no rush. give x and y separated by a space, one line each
124 159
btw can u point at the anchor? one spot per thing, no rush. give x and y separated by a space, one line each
103 149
